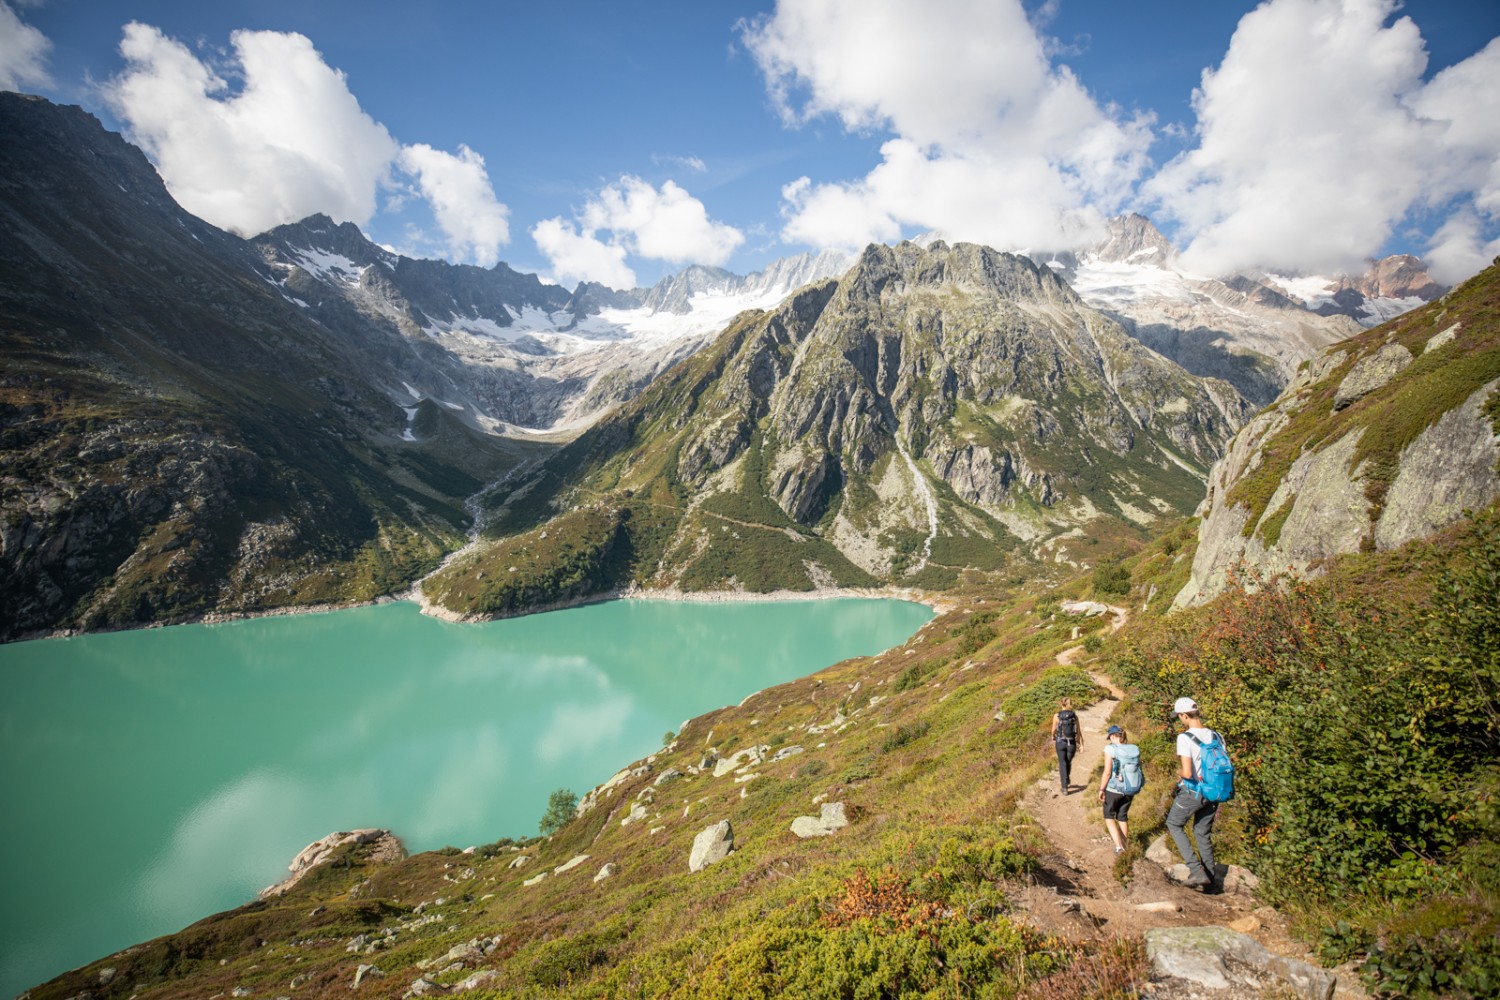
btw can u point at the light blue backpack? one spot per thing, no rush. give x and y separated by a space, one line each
1125 774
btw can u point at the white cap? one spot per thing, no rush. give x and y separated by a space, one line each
1184 705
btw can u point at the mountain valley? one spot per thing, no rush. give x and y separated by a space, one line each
1095 466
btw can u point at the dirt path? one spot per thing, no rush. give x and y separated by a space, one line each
1077 894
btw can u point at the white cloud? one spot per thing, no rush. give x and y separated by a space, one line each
1459 249
23 53
693 163
993 143
1316 136
291 141
579 256
458 187
665 223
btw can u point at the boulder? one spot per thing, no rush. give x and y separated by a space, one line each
1198 954
831 816
605 872
365 972
637 813
712 845
741 759
570 864
1161 852
535 878
786 752
478 980
670 774
421 986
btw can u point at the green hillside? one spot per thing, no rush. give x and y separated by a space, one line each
1361 710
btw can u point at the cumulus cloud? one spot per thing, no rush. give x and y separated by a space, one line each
665 223
1316 136
992 141
1459 248
290 141
462 199
23 53
579 256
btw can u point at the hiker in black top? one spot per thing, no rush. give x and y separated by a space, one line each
1067 737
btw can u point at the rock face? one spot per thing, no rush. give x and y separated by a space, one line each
712 845
1386 438
382 847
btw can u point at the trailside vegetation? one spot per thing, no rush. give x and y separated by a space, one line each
1366 733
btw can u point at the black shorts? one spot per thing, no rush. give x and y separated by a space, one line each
1117 805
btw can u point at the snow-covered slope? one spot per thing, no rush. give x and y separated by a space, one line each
505 350
1252 329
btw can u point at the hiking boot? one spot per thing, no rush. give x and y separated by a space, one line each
1198 878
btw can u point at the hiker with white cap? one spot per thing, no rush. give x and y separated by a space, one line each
1190 804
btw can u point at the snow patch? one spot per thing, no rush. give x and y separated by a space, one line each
327 266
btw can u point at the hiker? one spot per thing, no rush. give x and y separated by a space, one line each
1189 804
1118 785
1067 737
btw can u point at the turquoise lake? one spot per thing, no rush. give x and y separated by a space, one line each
151 778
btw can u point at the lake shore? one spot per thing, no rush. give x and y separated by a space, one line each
939 603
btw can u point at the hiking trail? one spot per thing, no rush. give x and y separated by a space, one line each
1077 893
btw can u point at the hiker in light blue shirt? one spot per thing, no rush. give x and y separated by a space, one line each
1119 784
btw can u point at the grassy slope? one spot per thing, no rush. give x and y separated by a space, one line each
920 881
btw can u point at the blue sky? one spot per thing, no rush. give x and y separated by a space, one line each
620 141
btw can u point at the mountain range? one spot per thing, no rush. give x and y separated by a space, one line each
197 424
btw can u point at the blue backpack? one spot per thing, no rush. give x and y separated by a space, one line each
1125 775
1217 781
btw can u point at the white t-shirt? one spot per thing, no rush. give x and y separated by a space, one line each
1187 748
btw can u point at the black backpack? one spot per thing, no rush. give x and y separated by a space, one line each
1067 726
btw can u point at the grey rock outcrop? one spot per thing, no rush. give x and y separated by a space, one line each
382 847
1339 492
1197 954
712 845
1370 373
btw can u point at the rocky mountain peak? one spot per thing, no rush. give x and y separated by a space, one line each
968 265
1134 239
320 234
1399 276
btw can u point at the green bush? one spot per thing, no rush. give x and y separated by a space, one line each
1111 578
569 960
904 735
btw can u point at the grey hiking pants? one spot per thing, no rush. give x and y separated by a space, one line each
1187 806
